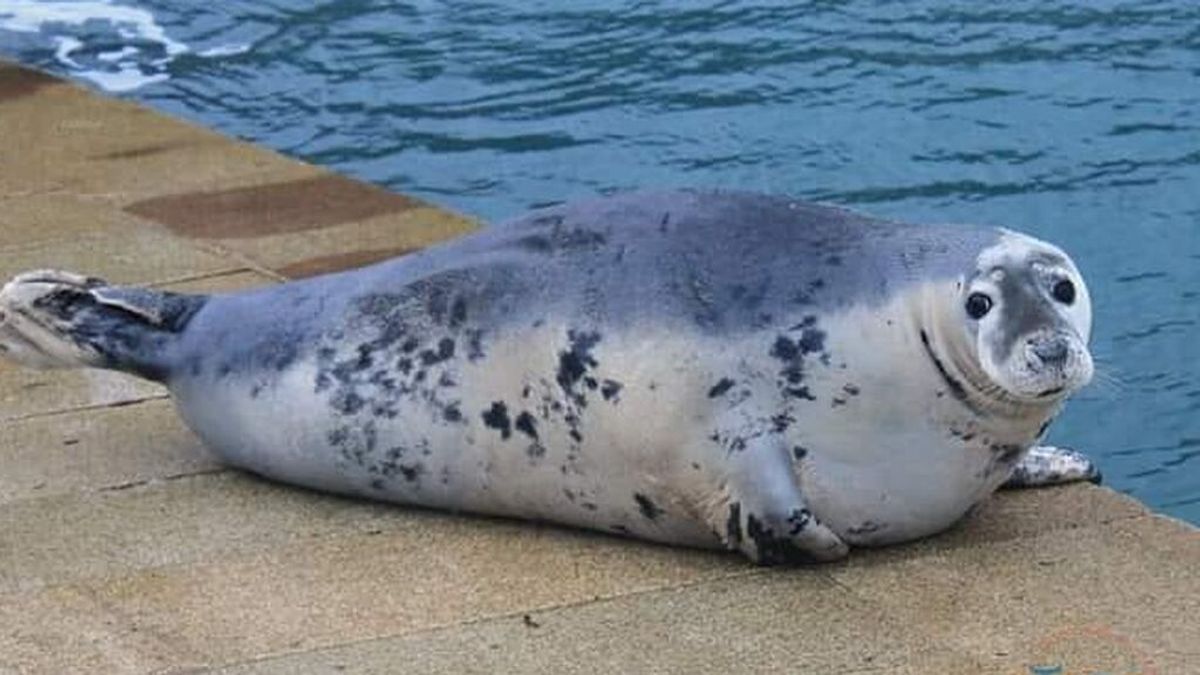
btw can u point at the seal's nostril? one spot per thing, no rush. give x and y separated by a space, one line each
1051 351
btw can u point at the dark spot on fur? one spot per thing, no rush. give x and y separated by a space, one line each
851 389
800 393
458 312
347 402
475 345
646 507
964 436
812 341
1007 453
723 385
575 361
527 425
733 524
798 521
412 472
496 417
451 413
784 349
410 345
799 452
610 389
338 436
775 548
559 239
445 351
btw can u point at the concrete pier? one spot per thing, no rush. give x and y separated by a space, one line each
126 548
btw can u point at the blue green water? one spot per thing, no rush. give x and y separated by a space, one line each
1074 121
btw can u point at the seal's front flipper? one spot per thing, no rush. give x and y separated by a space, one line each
51 319
767 518
1048 465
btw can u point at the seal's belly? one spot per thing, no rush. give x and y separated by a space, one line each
631 430
922 486
605 432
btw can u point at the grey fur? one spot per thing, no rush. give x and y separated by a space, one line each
709 262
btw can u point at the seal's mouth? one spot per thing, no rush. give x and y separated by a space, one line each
1053 391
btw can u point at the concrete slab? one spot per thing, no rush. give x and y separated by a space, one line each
169 520
790 621
28 393
42 218
59 137
305 227
438 570
96 449
141 256
1021 602
65 631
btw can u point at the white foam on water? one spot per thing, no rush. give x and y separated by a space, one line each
134 65
63 48
124 52
224 50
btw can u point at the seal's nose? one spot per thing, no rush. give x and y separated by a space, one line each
1052 350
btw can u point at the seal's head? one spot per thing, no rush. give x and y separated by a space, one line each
1028 311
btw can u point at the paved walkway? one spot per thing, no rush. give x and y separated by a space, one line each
124 547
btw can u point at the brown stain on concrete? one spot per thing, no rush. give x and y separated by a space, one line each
18 82
145 151
338 262
279 208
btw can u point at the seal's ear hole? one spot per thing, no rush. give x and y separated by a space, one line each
978 305
1064 291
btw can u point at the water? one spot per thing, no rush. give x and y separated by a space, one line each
1074 121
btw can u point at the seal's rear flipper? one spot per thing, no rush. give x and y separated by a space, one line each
1047 465
51 319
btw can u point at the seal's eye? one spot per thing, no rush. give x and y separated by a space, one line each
1064 291
978 304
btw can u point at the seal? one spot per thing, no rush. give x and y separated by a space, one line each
711 369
